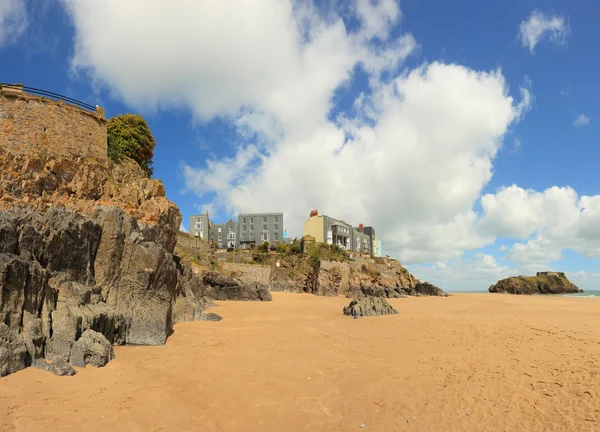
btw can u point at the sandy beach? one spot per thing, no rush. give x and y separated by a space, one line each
471 362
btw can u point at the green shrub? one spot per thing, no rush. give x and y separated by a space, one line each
296 248
281 247
129 135
264 247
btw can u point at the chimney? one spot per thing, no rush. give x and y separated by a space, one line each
361 227
314 213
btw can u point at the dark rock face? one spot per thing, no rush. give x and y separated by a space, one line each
91 348
62 368
72 285
543 284
221 287
369 306
191 300
13 352
426 289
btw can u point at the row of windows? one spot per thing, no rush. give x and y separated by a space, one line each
276 226
231 229
264 219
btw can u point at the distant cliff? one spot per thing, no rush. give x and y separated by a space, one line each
543 283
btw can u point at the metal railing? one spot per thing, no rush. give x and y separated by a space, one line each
50 95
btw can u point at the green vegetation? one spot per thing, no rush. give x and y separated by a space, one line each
296 248
129 136
322 251
281 248
264 248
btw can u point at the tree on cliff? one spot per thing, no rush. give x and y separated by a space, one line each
129 135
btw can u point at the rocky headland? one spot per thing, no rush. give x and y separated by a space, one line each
87 261
542 283
321 271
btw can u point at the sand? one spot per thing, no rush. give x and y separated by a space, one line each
471 362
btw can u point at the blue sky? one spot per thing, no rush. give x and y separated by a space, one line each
464 132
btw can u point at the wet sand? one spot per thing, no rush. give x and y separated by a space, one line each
471 362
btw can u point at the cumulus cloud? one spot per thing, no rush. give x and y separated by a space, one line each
275 63
465 274
548 221
414 173
541 26
13 20
582 120
411 157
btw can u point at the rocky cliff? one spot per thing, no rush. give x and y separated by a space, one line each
541 284
86 261
327 274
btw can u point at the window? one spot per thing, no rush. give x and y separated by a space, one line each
231 236
264 227
220 238
265 236
276 236
230 229
276 218
243 227
198 224
264 219
276 226
251 227
243 220
219 230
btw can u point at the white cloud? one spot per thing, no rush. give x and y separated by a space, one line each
13 20
473 274
414 174
539 26
273 58
549 221
582 120
182 228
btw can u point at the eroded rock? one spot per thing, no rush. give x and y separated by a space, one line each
91 348
369 306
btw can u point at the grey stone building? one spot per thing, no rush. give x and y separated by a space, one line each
360 240
200 226
249 229
256 228
374 247
225 235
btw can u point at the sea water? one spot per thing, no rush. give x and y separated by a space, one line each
588 293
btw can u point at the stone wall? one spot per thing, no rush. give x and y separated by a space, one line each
31 124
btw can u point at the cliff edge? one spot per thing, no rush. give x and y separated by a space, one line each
543 283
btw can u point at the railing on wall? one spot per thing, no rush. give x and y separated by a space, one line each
50 95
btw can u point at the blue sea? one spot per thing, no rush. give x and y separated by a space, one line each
588 293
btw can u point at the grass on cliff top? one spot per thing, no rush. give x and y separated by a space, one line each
323 251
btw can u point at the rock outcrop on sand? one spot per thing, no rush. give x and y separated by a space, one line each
221 287
554 283
86 261
369 306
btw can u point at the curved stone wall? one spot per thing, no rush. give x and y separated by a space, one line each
31 124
